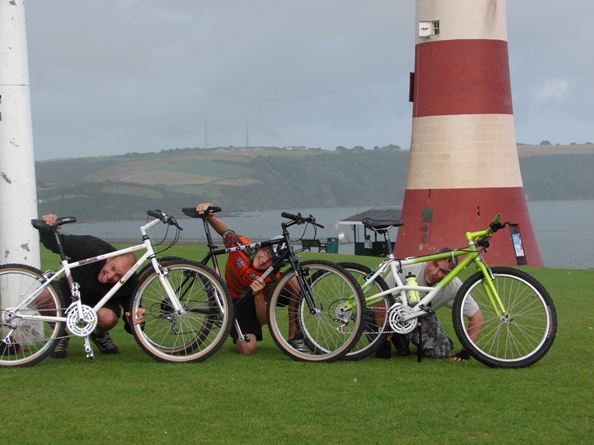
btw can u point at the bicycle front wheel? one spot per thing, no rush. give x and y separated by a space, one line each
29 341
314 324
516 338
193 333
376 325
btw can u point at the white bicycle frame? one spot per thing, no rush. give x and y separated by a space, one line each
66 268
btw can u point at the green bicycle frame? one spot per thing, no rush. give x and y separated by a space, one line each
470 254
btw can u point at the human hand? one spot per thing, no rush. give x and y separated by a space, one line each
257 286
49 219
138 318
201 208
461 356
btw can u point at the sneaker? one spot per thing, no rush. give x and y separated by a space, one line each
401 344
104 343
299 346
61 350
384 351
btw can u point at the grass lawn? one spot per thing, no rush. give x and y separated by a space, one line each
268 398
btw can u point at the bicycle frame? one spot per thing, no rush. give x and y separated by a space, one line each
66 268
287 256
471 254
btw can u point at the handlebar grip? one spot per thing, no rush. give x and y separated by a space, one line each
289 216
155 214
497 218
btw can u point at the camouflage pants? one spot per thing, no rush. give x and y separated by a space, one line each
434 341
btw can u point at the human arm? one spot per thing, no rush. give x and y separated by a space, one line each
217 224
475 322
257 288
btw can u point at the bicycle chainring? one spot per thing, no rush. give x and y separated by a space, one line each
397 313
81 327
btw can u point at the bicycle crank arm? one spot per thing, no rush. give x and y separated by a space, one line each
88 348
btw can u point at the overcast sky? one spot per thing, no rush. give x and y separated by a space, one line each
116 76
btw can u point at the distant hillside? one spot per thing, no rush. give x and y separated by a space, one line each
239 179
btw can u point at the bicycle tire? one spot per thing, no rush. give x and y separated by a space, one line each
327 338
35 340
200 331
514 341
373 334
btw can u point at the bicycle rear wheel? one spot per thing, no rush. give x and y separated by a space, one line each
518 338
30 341
328 331
376 321
195 333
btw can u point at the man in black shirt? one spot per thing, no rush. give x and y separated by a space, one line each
95 280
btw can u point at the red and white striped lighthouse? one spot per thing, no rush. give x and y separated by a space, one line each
464 165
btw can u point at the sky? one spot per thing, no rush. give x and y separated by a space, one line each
113 77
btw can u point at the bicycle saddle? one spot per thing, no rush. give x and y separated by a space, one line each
193 213
379 224
40 224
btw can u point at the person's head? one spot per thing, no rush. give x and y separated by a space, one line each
116 267
262 258
367 236
436 270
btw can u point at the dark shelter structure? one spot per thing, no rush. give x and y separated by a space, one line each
355 221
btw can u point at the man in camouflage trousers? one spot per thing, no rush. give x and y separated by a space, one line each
434 341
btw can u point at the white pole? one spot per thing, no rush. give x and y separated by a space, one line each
19 241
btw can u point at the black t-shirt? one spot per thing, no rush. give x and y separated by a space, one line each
80 247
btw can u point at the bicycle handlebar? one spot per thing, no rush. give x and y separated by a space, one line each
495 224
298 219
164 217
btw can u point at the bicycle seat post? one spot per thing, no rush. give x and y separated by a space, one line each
387 243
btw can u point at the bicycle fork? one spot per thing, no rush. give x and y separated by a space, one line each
491 292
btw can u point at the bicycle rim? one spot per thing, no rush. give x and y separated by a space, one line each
199 330
518 338
31 340
327 331
376 321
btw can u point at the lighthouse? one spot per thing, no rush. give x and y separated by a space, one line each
464 166
19 242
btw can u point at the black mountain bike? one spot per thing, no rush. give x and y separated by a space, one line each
306 300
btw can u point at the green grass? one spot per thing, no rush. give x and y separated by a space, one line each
268 398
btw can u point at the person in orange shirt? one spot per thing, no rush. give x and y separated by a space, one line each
243 272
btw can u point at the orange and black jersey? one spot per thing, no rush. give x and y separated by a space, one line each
239 272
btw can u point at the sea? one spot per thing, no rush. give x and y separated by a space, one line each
562 228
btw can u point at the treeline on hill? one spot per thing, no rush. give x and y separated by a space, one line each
316 179
275 179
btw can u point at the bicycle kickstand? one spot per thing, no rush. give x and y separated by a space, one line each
88 348
420 346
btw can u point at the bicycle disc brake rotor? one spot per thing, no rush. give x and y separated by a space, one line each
339 313
81 327
396 315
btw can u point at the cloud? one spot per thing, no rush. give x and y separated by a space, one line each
553 89
117 76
